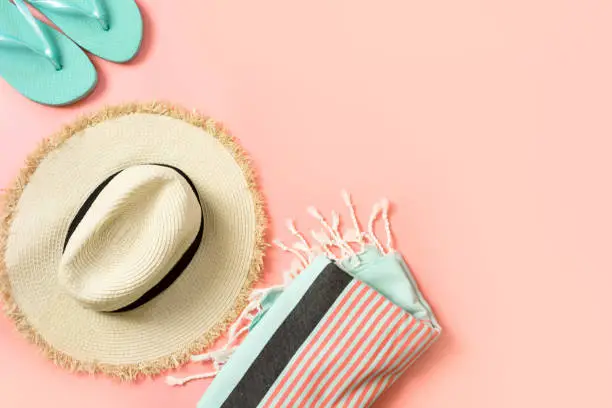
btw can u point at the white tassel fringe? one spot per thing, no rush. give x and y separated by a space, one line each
328 240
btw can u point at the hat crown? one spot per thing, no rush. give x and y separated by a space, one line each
136 229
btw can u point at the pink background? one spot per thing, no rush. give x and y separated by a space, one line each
487 124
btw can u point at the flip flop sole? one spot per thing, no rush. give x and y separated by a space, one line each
34 76
120 43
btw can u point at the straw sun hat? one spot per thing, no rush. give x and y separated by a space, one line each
130 240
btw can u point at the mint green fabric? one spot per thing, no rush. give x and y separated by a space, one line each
390 275
261 332
35 76
266 303
119 43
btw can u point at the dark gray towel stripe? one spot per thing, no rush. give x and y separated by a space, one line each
288 339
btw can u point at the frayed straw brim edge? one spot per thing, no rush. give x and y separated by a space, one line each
11 196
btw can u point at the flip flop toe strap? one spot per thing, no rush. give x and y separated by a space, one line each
45 49
91 8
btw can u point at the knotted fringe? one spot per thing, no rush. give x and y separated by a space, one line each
337 245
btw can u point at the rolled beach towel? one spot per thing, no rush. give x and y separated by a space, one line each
338 334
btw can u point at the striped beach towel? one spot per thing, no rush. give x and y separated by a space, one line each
329 340
343 328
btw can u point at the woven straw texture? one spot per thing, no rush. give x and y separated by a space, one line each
197 307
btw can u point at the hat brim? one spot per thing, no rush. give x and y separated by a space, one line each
190 314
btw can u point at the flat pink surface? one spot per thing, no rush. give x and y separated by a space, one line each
487 124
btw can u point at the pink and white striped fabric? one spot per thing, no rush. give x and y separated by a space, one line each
362 345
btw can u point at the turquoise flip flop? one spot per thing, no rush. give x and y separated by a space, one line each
38 61
110 29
